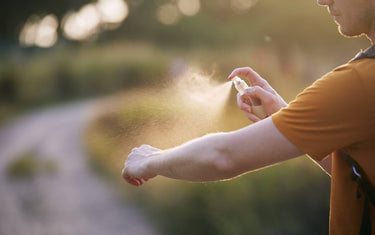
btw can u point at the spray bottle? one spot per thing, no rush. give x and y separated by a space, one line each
256 106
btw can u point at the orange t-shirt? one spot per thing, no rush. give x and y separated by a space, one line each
338 112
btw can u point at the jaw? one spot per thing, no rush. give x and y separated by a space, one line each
357 27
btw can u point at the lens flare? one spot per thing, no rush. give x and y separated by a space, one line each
46 35
241 6
168 14
87 22
41 32
189 7
82 24
112 11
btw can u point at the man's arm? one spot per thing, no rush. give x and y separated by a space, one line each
271 101
213 157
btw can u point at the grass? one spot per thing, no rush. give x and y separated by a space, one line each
28 166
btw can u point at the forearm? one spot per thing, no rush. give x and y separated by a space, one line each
224 155
196 160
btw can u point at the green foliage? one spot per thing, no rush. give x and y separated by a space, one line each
292 198
288 23
23 167
28 166
65 74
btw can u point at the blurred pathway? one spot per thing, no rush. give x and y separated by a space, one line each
71 201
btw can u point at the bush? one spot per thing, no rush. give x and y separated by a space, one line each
28 166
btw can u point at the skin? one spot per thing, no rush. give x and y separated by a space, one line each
214 157
226 155
354 18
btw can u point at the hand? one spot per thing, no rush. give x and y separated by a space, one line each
260 90
135 169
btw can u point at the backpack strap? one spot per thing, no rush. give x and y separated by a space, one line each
364 187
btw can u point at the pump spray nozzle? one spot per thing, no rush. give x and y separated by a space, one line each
257 108
239 84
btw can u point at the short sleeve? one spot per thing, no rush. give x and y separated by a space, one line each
328 115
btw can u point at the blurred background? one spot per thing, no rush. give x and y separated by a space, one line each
83 82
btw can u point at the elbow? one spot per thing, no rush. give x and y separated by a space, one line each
224 164
219 164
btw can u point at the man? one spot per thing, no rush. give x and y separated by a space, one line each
336 113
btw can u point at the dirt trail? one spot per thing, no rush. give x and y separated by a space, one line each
72 200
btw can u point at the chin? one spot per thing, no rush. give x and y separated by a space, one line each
349 33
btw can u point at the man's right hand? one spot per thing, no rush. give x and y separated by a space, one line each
135 169
259 90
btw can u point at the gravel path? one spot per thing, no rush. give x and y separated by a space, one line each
71 201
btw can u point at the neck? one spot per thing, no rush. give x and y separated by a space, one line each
371 36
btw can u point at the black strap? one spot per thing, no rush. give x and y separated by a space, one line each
363 186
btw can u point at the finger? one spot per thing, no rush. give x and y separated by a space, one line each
144 180
252 117
243 103
126 176
146 149
254 78
249 74
134 150
259 93
138 181
130 180
145 146
134 181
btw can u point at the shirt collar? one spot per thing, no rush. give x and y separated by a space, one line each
369 53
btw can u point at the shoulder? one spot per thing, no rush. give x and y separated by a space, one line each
328 114
342 77
361 70
353 82
343 85
365 73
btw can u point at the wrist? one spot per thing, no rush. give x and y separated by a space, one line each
150 166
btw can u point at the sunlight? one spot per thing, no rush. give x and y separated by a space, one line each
189 7
242 5
28 32
46 35
39 32
168 14
83 24
112 11
88 20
